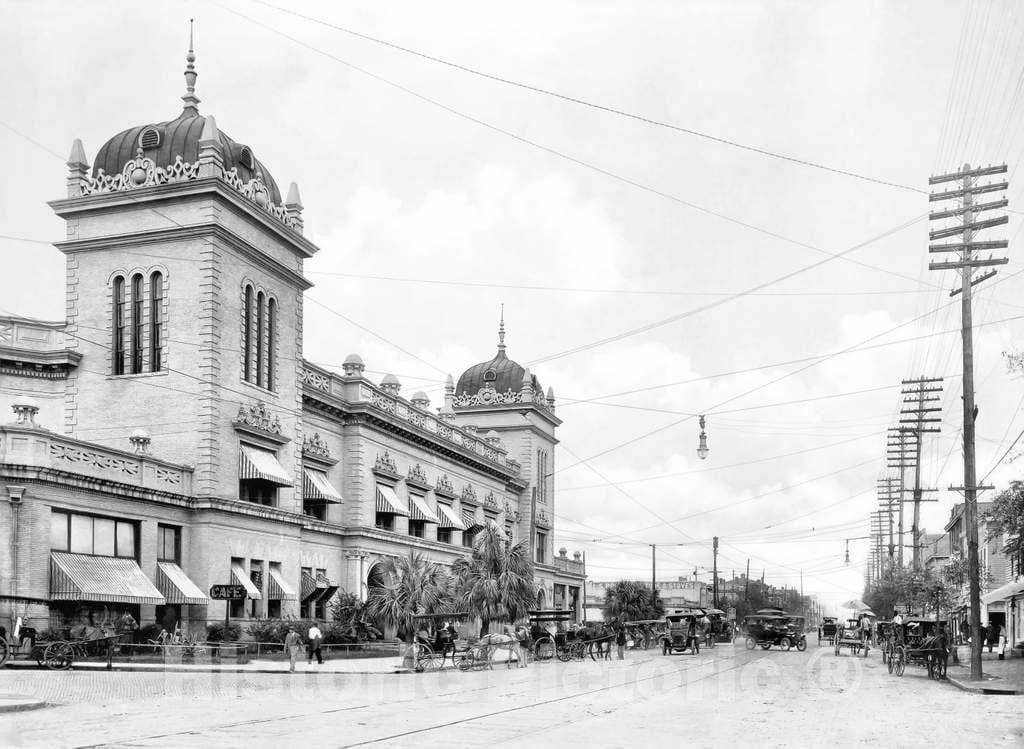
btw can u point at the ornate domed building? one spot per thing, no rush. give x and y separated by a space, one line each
169 434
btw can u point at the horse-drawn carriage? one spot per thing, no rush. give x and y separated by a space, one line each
849 636
828 629
775 628
720 629
920 642
644 633
58 653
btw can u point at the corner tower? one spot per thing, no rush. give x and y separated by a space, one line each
505 401
184 297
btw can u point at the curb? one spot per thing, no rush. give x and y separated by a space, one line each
984 687
16 703
178 669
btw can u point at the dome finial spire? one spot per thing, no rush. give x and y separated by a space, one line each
501 329
190 98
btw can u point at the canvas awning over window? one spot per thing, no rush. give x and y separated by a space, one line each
315 485
388 501
241 578
1007 591
278 589
312 588
449 518
177 587
469 520
82 577
328 587
254 463
420 510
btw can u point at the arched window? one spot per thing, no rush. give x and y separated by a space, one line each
260 350
247 336
137 323
156 321
271 343
118 324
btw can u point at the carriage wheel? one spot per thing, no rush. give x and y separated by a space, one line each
801 644
463 659
544 649
891 663
59 656
901 661
426 659
564 653
785 643
5 651
940 666
750 643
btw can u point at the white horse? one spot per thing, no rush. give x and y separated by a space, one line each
497 642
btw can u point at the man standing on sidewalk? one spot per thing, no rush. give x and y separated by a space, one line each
292 646
315 638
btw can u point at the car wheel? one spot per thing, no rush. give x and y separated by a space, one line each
750 643
801 644
785 643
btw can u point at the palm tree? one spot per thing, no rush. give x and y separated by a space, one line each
628 600
496 582
411 586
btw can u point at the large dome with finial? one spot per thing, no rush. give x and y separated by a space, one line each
163 142
499 373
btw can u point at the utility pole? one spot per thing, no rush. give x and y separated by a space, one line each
654 564
916 396
901 457
967 261
746 585
714 567
888 500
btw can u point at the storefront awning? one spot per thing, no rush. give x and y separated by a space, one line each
469 520
315 485
278 589
241 578
311 587
420 510
1007 591
388 501
254 463
449 518
328 587
82 577
177 587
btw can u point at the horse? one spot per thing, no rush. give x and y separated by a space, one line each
496 642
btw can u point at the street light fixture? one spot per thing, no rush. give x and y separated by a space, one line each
702 448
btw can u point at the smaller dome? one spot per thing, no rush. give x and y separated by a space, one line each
420 397
139 434
354 359
390 379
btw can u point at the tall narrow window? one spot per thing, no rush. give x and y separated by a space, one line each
271 343
137 324
259 339
247 336
117 362
156 318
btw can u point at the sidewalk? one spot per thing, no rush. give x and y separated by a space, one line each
14 703
389 665
1001 677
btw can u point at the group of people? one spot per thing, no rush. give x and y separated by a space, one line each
294 645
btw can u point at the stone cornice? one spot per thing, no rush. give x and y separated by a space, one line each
203 230
103 202
65 356
505 408
58 478
362 531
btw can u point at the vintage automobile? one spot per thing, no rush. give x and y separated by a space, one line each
683 633
828 629
765 630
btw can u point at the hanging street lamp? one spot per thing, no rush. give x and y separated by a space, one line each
702 448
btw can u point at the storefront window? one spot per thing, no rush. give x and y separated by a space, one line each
103 537
168 544
81 534
85 534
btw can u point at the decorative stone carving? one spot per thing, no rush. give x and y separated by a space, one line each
542 518
258 416
418 475
256 191
139 440
25 412
491 500
382 402
78 457
385 464
316 380
469 494
315 445
139 172
6 331
444 485
167 476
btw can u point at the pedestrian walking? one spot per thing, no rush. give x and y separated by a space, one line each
314 639
292 646
993 635
865 631
620 642
524 645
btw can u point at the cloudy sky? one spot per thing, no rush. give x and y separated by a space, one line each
622 250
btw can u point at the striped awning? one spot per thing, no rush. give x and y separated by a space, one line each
327 586
420 510
315 485
278 589
254 463
177 587
312 588
388 501
241 578
449 518
82 577
469 520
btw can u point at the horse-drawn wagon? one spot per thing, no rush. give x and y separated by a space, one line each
920 642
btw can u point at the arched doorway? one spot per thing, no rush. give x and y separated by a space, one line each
541 599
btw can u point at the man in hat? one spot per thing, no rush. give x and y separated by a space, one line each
292 646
